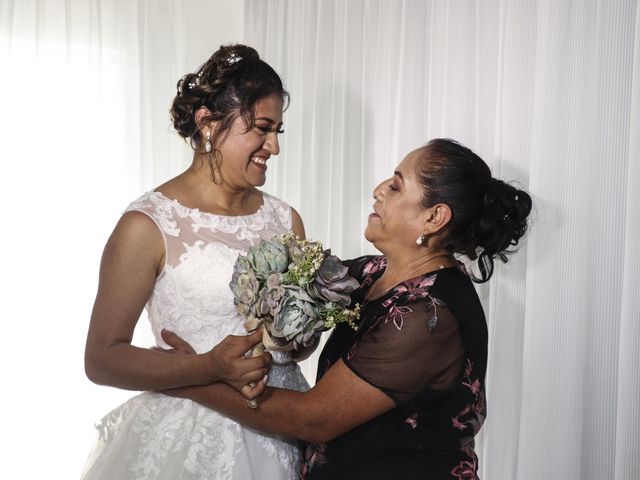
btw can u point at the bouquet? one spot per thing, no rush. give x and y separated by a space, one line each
295 289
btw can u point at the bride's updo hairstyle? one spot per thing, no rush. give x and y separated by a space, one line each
228 84
489 216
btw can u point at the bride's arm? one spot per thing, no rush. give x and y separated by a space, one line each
132 259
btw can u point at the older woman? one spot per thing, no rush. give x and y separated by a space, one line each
404 394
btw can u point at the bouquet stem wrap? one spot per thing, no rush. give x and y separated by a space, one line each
267 343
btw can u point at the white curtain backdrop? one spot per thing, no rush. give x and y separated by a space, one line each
548 92
85 90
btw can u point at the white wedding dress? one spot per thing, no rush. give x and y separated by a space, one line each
153 436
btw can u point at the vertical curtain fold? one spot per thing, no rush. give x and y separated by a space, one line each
627 440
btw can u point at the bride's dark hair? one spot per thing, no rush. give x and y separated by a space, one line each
489 216
228 84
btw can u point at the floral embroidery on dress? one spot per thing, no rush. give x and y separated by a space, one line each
374 265
406 293
466 469
471 417
395 315
162 214
415 288
315 454
473 414
412 420
272 213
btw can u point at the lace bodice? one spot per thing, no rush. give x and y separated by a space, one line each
192 296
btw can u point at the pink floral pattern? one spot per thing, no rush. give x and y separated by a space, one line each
466 469
412 420
473 414
395 315
314 455
374 265
470 417
415 288
405 293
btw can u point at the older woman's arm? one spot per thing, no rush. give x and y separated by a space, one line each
391 364
338 403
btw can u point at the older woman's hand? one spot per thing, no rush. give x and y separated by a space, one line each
228 362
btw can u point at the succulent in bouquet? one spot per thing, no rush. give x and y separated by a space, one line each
295 289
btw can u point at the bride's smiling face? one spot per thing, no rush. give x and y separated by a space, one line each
398 216
245 153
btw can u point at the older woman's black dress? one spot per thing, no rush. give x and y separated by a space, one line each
424 343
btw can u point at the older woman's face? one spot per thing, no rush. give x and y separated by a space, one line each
398 216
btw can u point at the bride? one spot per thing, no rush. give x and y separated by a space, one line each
173 250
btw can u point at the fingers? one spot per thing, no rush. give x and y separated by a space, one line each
176 342
249 341
228 361
253 376
239 345
255 363
253 391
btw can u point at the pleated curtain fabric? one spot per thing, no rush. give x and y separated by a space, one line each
548 93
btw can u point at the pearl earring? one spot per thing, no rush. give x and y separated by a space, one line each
207 146
420 239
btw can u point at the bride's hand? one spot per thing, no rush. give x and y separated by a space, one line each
228 361
177 344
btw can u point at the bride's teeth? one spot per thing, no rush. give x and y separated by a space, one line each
259 161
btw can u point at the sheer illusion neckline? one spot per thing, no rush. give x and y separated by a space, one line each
199 212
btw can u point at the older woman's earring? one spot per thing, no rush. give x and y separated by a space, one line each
420 239
207 146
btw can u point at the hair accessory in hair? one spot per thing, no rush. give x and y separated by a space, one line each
511 210
196 81
233 58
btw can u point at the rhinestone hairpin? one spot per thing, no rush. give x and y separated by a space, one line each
233 58
196 81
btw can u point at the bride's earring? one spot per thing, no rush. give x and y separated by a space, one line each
207 146
420 239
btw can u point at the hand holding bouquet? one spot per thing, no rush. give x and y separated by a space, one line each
293 288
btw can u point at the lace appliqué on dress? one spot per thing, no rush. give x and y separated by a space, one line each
160 211
160 428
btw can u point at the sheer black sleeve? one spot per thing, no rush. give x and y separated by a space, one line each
410 347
